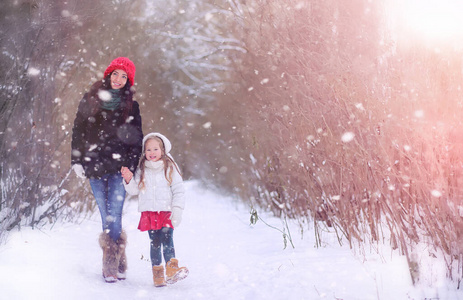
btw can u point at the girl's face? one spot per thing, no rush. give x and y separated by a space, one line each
153 150
118 79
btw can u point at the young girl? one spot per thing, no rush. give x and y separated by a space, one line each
159 187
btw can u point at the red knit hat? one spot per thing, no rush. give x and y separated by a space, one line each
122 63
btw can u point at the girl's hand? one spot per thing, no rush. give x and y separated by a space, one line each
126 174
176 216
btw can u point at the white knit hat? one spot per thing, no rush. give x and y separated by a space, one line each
167 144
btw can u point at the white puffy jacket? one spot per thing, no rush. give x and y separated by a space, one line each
157 194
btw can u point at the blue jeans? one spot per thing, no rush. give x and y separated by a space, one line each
109 194
163 237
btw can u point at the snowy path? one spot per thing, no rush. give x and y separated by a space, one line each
227 258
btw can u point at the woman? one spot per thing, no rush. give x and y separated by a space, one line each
107 135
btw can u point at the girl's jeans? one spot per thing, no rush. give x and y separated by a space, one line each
109 194
164 238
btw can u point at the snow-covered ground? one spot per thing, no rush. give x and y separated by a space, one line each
227 257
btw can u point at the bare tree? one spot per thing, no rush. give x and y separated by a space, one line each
41 62
53 52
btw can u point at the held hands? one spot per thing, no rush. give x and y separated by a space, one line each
126 174
79 170
176 216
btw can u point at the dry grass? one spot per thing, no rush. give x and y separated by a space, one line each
316 73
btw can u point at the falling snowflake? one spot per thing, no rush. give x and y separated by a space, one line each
76 153
104 95
65 13
208 17
347 137
300 5
436 193
419 113
359 106
33 71
264 81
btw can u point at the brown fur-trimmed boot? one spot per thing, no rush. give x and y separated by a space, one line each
122 266
174 273
110 257
158 276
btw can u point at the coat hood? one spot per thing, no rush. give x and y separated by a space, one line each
167 144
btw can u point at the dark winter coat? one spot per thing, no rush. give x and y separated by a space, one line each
104 141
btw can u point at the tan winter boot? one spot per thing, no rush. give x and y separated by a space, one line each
122 266
158 276
174 273
110 257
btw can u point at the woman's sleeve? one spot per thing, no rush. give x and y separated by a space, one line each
78 135
136 139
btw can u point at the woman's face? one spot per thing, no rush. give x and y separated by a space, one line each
118 79
153 150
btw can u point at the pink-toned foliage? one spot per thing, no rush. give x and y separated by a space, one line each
351 130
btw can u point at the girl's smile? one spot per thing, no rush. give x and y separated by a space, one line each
153 150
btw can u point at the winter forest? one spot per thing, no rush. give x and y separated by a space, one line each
341 115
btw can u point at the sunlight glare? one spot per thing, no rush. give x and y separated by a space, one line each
433 19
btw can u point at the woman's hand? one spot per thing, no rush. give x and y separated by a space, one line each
79 170
126 174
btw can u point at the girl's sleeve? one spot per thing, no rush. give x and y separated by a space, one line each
178 191
132 187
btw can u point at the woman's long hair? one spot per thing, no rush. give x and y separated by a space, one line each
105 84
169 164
